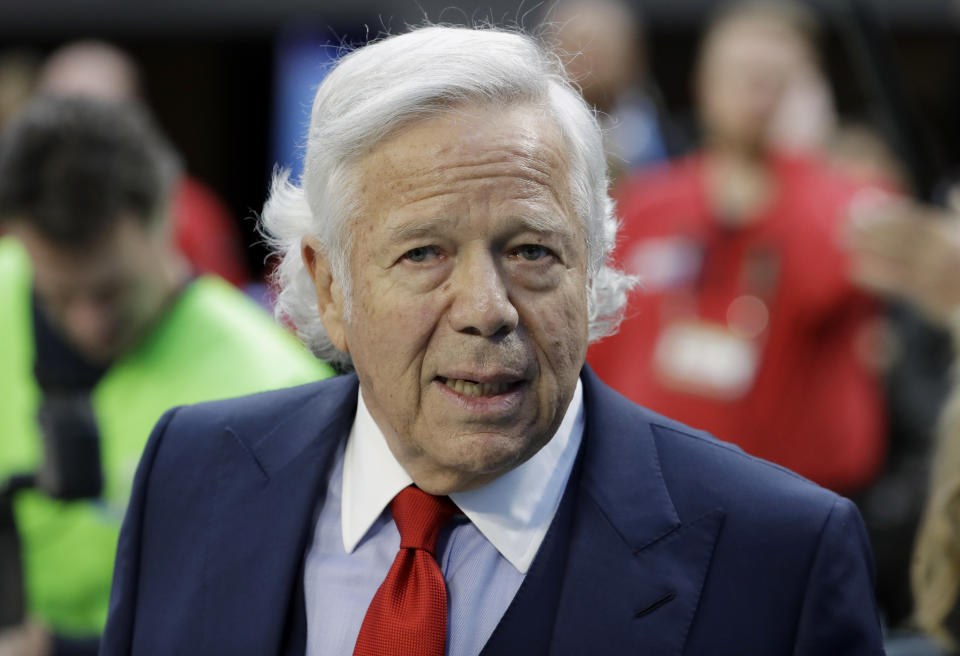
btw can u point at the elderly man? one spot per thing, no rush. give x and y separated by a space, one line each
472 488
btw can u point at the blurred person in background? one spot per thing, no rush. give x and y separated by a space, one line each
203 228
936 567
805 118
911 253
748 325
601 43
99 315
862 153
914 354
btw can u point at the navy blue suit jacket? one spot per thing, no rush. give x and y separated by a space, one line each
666 541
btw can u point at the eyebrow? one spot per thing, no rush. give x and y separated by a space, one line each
421 229
430 227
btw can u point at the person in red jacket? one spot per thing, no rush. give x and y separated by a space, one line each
748 325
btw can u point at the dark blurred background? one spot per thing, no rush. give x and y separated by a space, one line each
210 66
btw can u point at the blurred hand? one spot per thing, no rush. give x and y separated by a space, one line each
910 252
28 639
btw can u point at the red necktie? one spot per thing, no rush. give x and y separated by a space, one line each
408 615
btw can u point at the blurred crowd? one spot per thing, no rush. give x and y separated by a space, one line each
800 297
121 298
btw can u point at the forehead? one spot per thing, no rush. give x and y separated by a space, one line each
517 152
760 40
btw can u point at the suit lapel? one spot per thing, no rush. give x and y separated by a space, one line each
527 625
618 570
619 601
632 574
267 490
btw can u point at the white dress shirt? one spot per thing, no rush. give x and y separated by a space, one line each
484 556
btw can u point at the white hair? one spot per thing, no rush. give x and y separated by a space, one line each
382 87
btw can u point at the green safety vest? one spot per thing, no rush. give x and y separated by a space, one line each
213 343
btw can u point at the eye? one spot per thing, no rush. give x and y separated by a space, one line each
532 252
421 253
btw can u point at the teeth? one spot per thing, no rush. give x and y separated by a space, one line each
468 388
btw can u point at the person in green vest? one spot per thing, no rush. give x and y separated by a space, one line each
97 305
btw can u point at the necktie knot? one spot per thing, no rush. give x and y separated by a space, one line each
419 517
408 615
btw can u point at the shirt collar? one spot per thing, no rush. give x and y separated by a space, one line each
513 512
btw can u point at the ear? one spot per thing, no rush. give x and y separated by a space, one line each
329 295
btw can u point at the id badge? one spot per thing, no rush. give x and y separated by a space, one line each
705 359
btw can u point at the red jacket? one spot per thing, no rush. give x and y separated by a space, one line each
810 403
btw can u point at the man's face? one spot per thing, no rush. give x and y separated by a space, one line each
468 328
101 295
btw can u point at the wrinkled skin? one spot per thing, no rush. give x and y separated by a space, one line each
468 263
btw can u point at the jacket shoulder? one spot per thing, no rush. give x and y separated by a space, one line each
788 561
192 433
702 473
261 411
700 469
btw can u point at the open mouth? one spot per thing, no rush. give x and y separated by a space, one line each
477 389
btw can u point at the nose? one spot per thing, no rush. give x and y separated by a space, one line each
481 304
